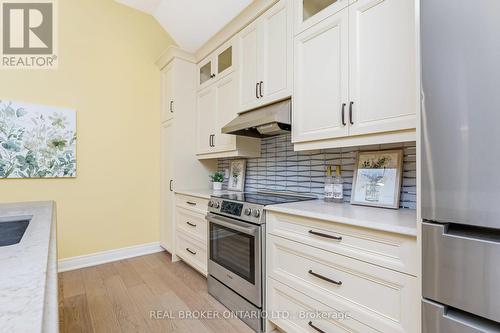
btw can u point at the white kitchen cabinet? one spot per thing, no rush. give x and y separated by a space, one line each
191 231
266 54
367 92
178 166
321 74
217 106
248 67
227 102
360 272
382 82
218 64
166 183
167 100
206 119
310 12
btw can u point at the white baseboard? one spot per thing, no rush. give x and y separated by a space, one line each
103 257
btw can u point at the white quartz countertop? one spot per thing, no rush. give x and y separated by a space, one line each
201 193
402 221
24 268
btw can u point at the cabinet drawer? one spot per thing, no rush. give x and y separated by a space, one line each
295 312
393 251
191 223
196 204
379 297
192 252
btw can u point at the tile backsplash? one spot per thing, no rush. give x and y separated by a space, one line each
281 169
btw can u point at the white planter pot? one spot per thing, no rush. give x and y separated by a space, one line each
217 186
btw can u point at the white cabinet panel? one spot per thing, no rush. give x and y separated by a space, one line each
276 44
310 12
206 119
266 58
166 182
167 99
227 104
382 65
248 66
321 80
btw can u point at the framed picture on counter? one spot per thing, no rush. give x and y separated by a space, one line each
377 178
237 175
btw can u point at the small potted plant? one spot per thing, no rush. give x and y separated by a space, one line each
217 179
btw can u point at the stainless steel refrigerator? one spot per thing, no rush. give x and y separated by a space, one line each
461 165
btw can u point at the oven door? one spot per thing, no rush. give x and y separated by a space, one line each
235 256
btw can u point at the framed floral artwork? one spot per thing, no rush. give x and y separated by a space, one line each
36 141
377 178
237 175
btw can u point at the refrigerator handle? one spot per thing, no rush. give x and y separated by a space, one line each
471 232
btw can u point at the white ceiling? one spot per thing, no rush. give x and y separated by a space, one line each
190 22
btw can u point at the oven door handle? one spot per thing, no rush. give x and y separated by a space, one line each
231 224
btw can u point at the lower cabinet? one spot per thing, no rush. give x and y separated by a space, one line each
318 288
191 231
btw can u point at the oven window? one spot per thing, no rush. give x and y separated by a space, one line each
233 250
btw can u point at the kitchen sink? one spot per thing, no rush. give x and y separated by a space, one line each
12 229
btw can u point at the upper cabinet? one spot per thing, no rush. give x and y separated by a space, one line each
382 81
355 77
217 65
310 12
265 60
217 105
167 99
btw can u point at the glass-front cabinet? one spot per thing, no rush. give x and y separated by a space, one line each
217 65
310 12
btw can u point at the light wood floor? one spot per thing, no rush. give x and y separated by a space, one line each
118 297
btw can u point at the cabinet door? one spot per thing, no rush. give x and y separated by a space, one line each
382 57
248 67
166 181
206 72
167 99
227 104
275 53
206 118
321 80
309 12
225 57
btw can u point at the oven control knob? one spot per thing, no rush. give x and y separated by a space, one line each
248 211
216 204
256 213
210 203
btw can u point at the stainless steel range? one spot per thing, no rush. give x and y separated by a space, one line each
236 251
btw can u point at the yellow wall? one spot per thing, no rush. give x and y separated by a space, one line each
107 73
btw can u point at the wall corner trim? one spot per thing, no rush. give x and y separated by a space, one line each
98 258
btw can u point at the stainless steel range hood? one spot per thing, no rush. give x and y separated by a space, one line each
270 120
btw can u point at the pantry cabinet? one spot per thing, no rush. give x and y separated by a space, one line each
166 183
178 165
355 76
265 59
167 102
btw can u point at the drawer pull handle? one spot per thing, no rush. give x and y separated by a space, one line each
324 235
191 203
315 327
190 251
191 224
338 283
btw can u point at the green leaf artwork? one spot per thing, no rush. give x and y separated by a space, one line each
36 141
